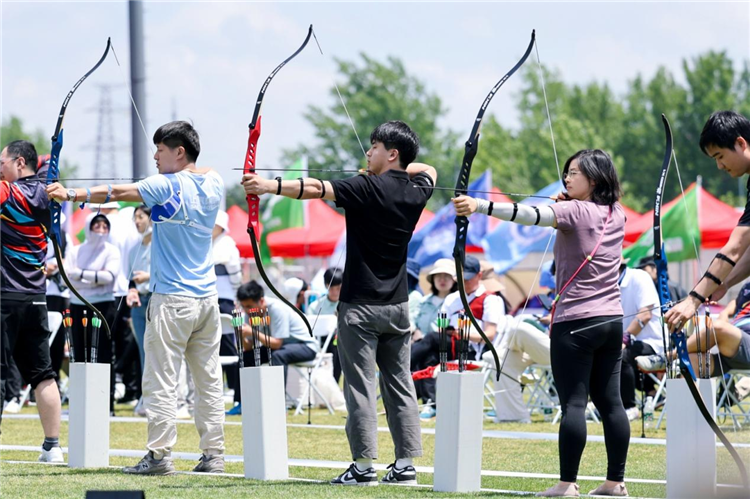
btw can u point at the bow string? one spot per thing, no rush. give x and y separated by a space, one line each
678 337
462 184
253 201
53 175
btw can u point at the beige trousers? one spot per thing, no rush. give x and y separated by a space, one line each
178 326
525 345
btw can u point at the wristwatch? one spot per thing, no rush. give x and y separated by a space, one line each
71 194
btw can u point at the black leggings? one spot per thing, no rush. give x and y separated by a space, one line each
587 362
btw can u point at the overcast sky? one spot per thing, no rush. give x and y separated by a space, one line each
207 61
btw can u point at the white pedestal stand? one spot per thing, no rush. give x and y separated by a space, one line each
458 432
691 444
264 423
88 426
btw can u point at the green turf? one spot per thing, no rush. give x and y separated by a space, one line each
532 456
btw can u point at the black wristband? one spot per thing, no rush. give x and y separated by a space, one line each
698 297
726 259
489 210
278 189
323 189
301 187
515 211
712 277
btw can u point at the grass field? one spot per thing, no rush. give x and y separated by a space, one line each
502 454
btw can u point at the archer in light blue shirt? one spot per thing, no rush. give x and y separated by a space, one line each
181 256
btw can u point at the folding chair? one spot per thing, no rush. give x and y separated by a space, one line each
54 320
323 326
542 396
730 399
660 397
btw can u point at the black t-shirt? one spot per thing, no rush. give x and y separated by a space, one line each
745 218
381 214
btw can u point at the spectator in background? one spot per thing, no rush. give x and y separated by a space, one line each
520 343
138 292
289 338
425 351
642 332
228 278
415 291
327 305
124 236
93 267
294 291
676 291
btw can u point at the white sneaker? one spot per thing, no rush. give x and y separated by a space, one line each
183 412
54 455
633 413
12 406
140 409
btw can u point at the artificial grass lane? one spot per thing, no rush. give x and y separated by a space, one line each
530 456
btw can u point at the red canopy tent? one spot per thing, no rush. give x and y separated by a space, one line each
318 238
715 219
238 230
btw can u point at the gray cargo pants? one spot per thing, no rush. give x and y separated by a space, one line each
370 336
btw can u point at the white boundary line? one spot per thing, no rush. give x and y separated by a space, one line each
516 435
315 463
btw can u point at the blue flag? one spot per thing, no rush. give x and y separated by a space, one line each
509 243
436 239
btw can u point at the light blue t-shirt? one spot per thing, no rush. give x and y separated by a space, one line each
287 325
181 256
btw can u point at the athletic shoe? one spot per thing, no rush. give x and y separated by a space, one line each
633 413
150 466
140 409
54 455
405 476
352 476
210 464
428 412
183 412
651 363
12 406
235 411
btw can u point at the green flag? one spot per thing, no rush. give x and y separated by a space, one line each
281 212
679 230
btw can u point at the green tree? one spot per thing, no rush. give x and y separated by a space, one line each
375 92
12 129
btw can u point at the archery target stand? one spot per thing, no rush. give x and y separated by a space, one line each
88 424
458 432
691 444
264 441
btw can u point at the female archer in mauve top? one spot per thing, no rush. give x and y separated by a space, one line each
586 337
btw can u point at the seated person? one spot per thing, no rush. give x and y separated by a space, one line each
486 307
521 344
642 333
294 290
327 305
732 337
425 351
289 339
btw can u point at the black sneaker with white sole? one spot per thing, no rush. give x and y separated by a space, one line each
405 476
352 476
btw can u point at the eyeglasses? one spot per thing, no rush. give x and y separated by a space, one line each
3 161
571 173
